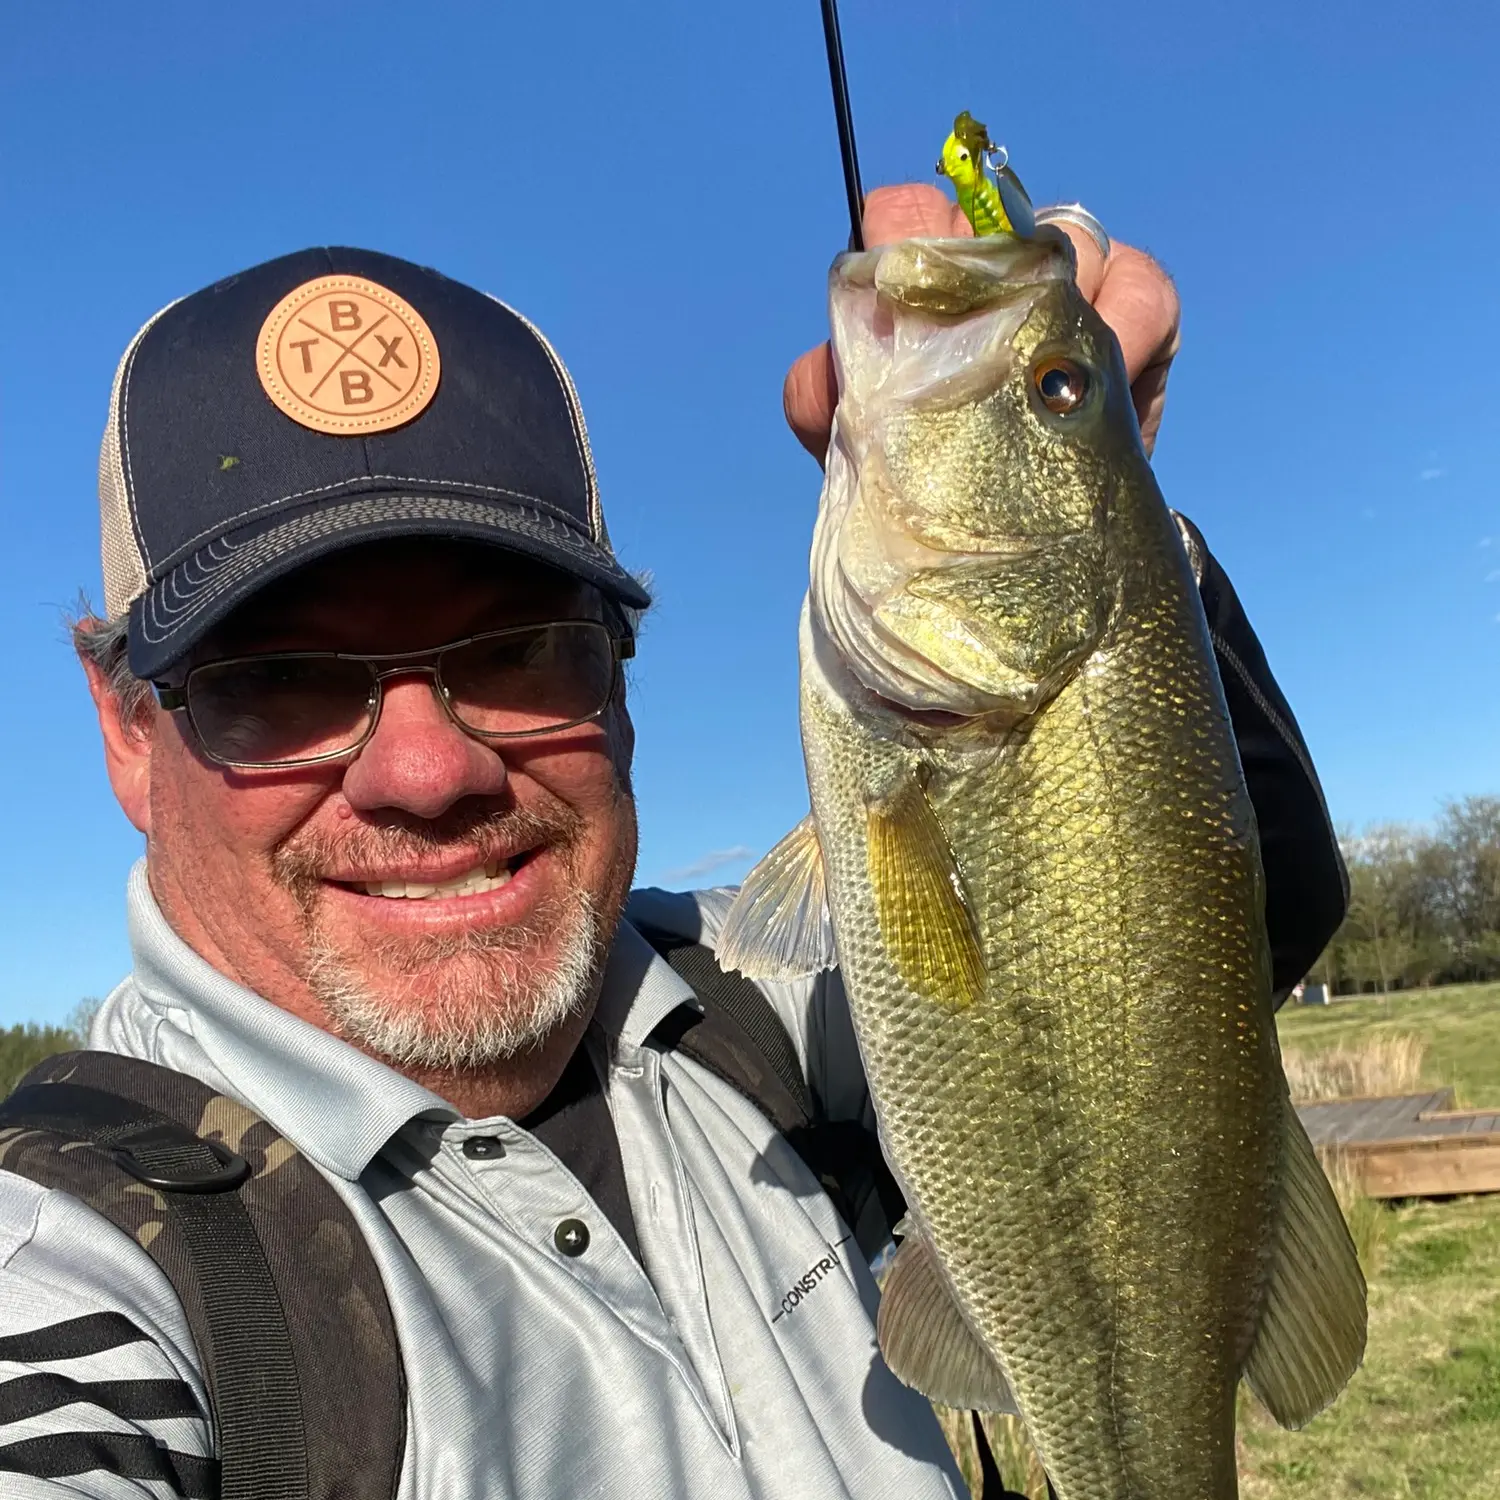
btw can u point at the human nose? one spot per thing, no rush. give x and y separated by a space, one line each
418 759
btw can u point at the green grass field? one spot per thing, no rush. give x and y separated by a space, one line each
1422 1418
1460 1024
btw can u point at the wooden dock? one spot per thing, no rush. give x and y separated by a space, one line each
1409 1145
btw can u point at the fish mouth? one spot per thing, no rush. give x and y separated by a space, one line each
952 277
923 329
863 559
938 719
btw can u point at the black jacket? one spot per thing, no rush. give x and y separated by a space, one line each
1307 887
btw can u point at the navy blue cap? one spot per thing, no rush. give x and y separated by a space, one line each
217 475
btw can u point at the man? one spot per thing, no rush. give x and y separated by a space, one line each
351 533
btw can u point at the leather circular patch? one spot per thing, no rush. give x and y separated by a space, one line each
345 355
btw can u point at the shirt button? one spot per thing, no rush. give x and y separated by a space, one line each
571 1237
483 1147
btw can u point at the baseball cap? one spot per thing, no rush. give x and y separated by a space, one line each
330 397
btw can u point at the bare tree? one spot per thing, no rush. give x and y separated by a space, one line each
1424 904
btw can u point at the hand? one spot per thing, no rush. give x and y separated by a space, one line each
1129 291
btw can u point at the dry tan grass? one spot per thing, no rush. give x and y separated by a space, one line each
1366 1217
1019 1466
1383 1064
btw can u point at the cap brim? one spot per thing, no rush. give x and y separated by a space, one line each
174 614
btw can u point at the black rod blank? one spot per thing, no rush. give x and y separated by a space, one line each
840 81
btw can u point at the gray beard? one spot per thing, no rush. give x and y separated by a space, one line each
454 1004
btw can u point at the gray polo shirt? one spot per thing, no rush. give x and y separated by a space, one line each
691 1372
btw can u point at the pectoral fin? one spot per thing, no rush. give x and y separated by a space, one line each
778 926
924 913
926 1341
1312 1331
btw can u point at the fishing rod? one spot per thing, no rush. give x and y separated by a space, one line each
839 78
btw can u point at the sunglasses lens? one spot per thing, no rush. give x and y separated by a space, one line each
522 681
279 708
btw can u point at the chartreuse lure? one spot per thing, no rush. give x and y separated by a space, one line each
993 205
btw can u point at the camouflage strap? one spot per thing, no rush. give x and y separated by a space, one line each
280 1291
257 1406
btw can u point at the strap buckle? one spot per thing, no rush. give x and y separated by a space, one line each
154 1139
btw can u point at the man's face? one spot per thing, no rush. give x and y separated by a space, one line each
269 873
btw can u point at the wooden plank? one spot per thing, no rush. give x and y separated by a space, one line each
1461 1121
1329 1121
1385 1117
1428 1099
1432 1167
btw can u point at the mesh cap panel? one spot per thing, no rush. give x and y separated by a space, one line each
125 577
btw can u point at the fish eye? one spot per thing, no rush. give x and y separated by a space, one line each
1062 384
963 155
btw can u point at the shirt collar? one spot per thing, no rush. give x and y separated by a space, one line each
640 989
336 1105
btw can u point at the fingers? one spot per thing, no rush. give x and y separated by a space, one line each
808 398
1129 290
1090 261
1138 301
1149 394
891 213
911 211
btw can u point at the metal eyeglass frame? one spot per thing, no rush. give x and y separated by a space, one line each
173 696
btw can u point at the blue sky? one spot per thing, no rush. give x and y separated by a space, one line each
657 185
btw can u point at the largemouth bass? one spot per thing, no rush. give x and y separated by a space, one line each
1031 836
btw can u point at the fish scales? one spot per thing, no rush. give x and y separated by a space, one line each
1061 833
1043 876
1113 1022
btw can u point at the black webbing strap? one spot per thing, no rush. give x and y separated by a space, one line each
740 1037
130 1455
257 1403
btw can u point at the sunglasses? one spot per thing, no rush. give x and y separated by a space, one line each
296 708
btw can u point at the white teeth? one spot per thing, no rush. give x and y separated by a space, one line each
475 882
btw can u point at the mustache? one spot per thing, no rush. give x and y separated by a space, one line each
492 833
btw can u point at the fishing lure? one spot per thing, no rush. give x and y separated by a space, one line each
993 205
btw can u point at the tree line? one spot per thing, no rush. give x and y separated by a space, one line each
23 1047
1424 903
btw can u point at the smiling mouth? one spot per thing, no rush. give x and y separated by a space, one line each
478 881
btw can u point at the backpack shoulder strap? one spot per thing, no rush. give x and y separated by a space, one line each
279 1288
740 1038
